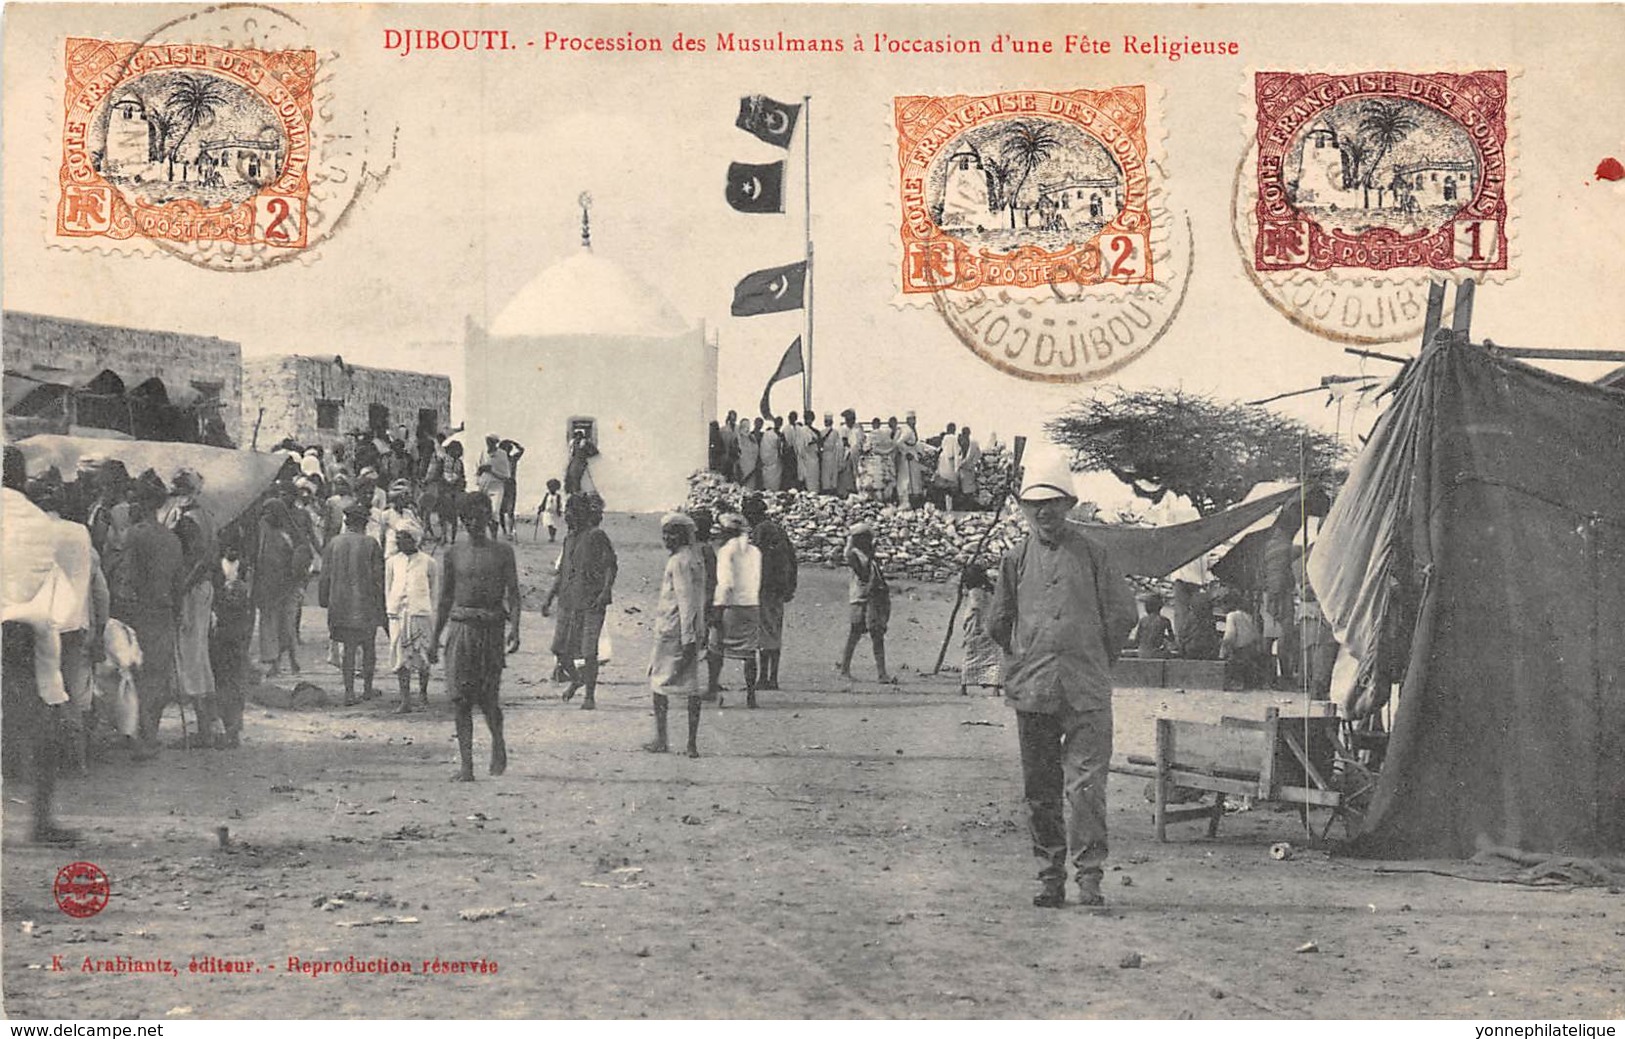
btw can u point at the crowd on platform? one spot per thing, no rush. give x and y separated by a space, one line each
882 461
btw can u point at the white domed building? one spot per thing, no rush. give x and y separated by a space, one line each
590 345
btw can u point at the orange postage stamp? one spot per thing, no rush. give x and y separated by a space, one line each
186 143
1024 189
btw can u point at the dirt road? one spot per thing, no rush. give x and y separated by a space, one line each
841 852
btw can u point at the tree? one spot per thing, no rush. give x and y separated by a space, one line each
1028 143
192 100
1212 452
1386 123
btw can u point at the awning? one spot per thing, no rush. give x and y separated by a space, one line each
232 480
1159 551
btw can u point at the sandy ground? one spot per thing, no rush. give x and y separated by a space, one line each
841 852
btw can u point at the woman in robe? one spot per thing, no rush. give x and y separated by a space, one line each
852 441
772 457
910 486
200 550
750 456
831 456
807 460
877 467
280 569
982 656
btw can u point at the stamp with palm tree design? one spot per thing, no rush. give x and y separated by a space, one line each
1024 190
186 143
1381 171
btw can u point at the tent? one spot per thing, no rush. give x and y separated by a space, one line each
1477 556
232 480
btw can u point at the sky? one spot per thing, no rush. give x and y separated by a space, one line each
487 153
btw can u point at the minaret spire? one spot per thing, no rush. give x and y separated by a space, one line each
585 201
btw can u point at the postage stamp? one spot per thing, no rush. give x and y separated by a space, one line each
186 143
1381 171
1071 334
1023 190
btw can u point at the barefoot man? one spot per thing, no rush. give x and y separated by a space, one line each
674 668
479 596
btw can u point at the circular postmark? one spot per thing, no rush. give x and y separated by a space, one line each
1070 333
1358 310
216 138
81 889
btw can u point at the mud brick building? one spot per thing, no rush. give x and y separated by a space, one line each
114 377
317 400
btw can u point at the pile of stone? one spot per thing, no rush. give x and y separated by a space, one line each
926 543
993 475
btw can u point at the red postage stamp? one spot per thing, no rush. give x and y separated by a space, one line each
81 889
1024 189
186 143
1379 171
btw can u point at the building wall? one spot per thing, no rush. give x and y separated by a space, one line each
35 340
290 389
653 400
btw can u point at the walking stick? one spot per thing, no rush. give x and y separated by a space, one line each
959 599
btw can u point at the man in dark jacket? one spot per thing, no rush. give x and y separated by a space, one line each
352 591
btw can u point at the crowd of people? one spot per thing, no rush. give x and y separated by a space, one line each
173 597
882 461
430 469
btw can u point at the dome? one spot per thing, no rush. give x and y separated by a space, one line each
587 295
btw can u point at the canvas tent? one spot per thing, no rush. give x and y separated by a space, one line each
232 480
1477 555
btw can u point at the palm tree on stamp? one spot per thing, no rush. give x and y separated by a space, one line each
1387 124
1028 143
192 100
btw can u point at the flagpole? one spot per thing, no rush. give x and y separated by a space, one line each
806 195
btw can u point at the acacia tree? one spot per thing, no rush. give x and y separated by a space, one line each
1212 452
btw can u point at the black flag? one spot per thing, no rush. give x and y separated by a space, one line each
770 291
772 121
756 188
790 364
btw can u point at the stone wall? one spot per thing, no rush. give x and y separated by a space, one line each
204 362
292 389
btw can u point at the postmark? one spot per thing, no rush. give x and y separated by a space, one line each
1023 190
1074 334
1381 171
218 138
1337 306
186 143
81 889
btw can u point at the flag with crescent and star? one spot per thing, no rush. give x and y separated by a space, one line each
772 121
770 291
756 188
790 364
